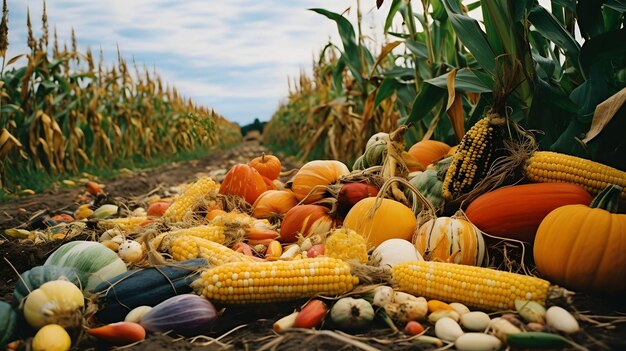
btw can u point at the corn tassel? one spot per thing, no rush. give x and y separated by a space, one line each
262 282
473 286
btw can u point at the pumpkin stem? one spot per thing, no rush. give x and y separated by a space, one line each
263 157
608 199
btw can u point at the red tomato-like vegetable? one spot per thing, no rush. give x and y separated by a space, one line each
315 250
120 333
157 209
311 314
413 328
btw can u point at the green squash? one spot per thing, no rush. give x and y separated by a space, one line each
430 185
94 262
35 277
8 323
374 155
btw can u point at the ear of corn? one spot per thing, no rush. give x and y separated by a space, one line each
126 224
202 192
260 282
346 244
186 247
473 286
214 233
473 157
547 166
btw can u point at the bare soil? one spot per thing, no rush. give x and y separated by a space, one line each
250 327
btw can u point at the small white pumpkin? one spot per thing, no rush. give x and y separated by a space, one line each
131 251
395 251
352 314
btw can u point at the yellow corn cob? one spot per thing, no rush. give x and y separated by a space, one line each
346 244
546 166
185 247
260 282
127 224
210 232
473 286
473 157
194 195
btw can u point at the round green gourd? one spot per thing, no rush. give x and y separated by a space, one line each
429 184
35 277
94 262
8 323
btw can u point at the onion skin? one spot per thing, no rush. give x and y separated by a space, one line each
185 314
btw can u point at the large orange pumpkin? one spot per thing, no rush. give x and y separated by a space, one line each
451 239
583 247
306 220
515 212
267 165
379 219
428 151
317 175
243 180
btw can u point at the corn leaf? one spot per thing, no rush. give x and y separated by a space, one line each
386 89
465 81
550 28
471 35
395 6
604 113
428 97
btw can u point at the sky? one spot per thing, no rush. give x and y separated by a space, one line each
234 56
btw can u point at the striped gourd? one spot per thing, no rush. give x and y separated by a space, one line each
470 285
547 166
473 157
202 192
186 247
215 233
260 282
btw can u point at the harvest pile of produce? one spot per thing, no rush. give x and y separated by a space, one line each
402 243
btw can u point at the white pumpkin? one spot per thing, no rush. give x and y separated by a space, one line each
395 251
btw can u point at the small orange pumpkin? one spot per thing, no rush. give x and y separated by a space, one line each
273 203
582 247
351 193
305 220
429 151
314 177
243 180
268 165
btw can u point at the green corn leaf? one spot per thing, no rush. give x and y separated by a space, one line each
617 5
395 7
418 49
602 49
386 89
470 34
428 97
465 81
348 39
570 5
589 16
550 28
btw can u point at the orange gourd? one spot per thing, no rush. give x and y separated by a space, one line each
379 219
245 181
305 220
351 193
273 203
314 177
268 165
451 239
515 212
582 247
429 151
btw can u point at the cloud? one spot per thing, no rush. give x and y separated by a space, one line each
234 56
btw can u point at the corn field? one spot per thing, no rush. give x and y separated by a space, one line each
64 110
441 70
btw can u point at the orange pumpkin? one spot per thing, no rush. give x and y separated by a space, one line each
267 165
305 220
451 239
582 247
428 151
379 219
243 180
273 203
314 178
515 212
